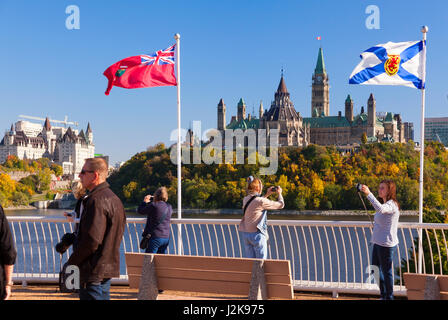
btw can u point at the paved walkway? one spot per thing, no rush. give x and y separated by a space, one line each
51 292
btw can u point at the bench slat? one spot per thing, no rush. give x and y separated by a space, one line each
443 282
415 294
211 275
204 286
134 281
283 291
209 263
414 281
211 286
443 295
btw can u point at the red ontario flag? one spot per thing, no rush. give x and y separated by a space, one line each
143 71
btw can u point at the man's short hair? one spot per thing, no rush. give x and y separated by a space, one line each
98 165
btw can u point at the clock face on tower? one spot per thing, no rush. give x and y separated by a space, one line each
319 78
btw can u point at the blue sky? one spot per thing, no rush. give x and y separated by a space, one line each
229 50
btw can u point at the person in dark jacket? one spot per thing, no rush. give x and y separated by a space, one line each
8 256
101 228
158 221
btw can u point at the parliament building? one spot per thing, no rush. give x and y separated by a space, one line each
320 128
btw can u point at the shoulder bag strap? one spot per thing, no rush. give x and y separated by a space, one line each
247 204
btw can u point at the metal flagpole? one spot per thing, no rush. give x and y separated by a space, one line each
422 151
179 159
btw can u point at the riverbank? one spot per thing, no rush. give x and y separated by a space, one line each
238 212
29 207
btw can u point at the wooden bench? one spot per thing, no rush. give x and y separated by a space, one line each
255 278
426 286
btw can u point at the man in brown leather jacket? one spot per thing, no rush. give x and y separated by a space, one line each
101 227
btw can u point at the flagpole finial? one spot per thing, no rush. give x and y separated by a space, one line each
177 36
424 29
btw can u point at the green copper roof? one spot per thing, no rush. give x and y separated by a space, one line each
241 102
349 99
327 122
360 118
389 117
244 124
320 65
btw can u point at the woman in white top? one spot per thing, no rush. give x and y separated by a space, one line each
384 236
253 226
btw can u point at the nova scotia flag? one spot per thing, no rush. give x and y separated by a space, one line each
392 63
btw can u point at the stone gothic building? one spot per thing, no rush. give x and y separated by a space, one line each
320 128
282 116
63 146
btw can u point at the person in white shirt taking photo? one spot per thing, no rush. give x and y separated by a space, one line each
384 236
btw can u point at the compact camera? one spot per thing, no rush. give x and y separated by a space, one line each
66 241
71 214
359 187
274 189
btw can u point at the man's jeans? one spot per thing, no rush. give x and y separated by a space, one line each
382 258
95 291
255 245
157 245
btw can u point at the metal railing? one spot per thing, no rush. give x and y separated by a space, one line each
332 256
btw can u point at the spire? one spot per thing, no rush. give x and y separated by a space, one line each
371 98
320 65
349 99
241 102
221 102
47 125
282 86
12 128
89 130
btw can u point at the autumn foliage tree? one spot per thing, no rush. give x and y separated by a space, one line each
314 177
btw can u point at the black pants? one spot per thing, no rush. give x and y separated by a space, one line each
382 258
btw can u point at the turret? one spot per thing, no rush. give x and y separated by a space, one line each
241 115
349 108
371 111
221 115
89 134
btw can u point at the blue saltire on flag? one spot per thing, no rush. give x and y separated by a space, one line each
392 63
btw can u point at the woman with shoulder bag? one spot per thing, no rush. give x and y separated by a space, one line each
158 223
253 225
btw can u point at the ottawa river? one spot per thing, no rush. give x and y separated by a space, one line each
329 215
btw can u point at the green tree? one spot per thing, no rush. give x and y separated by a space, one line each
57 169
43 179
364 138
